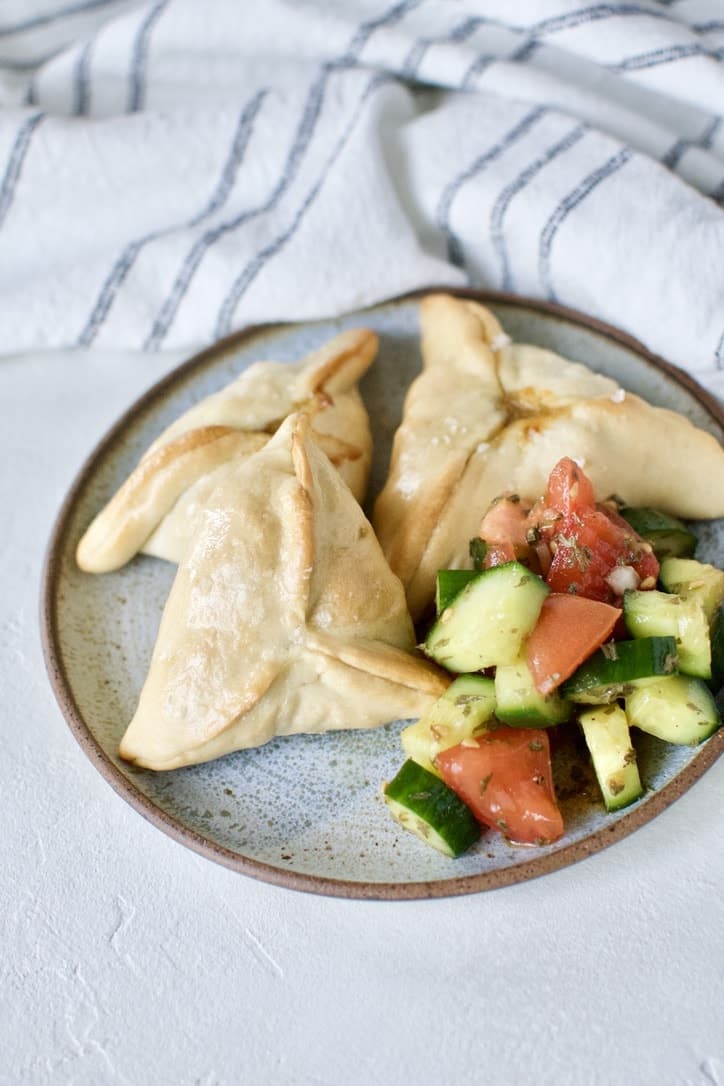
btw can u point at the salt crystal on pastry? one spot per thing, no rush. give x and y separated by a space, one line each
156 508
523 408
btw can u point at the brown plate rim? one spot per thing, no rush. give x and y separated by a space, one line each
319 884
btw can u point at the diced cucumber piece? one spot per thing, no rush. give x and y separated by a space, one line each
459 714
488 621
424 805
694 580
614 758
667 535
449 584
519 703
611 671
657 614
677 709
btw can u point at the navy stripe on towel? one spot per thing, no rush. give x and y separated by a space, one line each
590 14
561 213
664 55
712 25
12 29
673 156
444 207
365 30
122 267
300 143
719 354
455 35
244 280
517 185
139 58
478 66
15 163
305 131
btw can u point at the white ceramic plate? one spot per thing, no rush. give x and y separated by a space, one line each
306 811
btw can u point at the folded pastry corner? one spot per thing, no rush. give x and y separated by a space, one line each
155 510
454 406
487 416
284 617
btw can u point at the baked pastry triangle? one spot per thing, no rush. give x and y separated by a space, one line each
284 617
156 508
487 416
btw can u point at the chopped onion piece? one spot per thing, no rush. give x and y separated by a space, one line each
623 578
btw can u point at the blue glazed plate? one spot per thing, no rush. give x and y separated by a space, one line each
306 811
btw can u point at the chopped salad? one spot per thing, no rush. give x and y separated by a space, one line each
576 612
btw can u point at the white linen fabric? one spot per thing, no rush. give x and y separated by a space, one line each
171 171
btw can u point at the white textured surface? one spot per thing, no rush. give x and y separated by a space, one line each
124 958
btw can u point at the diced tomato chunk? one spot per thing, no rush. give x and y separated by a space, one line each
587 541
646 563
505 778
569 489
506 520
573 542
504 528
587 547
568 630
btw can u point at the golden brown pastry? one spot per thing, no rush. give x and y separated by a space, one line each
486 416
156 508
284 617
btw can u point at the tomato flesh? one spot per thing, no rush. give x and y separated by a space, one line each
587 547
568 630
504 528
587 541
567 537
569 490
505 778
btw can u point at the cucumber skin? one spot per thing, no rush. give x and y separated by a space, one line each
668 535
520 705
449 585
477 549
659 709
614 759
599 679
658 614
717 651
436 806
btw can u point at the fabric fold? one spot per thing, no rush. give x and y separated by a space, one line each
179 171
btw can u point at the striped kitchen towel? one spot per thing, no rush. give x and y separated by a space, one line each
173 170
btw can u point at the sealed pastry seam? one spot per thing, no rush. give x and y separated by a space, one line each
284 617
155 508
531 407
127 521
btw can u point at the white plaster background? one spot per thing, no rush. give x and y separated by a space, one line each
124 958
